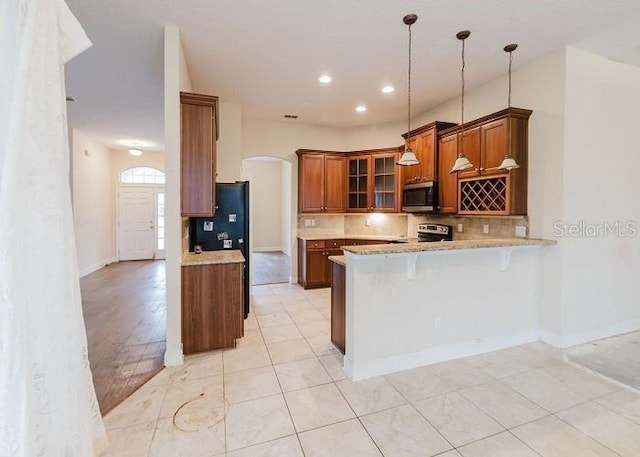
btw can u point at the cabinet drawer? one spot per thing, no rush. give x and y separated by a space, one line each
315 244
334 244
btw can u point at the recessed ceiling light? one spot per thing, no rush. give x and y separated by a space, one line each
361 108
387 89
325 79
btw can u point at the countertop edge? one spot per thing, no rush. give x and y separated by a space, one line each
212 258
339 259
403 248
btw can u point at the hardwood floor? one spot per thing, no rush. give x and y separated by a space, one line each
124 310
270 267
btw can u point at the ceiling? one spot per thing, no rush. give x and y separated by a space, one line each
267 55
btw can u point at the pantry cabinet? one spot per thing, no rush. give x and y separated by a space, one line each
198 135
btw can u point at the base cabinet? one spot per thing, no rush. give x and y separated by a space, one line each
338 290
212 306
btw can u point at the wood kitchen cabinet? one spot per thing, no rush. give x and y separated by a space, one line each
447 183
321 182
373 181
212 306
485 189
338 301
424 143
198 135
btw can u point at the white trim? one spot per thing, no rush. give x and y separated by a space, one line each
268 249
566 341
434 355
173 358
96 266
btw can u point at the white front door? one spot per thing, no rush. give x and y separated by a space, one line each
136 223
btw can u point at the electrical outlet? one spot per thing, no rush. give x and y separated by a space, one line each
485 229
460 228
313 222
521 231
307 222
367 222
437 323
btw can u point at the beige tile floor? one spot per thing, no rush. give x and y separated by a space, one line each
282 393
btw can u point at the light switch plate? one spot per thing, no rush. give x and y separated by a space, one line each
485 228
307 222
460 228
521 231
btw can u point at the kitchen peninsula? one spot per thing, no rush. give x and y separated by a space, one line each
413 304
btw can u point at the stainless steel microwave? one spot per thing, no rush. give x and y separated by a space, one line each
420 197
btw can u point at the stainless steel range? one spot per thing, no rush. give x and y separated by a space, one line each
435 232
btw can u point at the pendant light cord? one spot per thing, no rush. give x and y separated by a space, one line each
509 104
462 76
409 95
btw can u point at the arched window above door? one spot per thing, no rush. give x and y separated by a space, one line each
142 175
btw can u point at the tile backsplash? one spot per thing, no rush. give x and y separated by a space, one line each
406 225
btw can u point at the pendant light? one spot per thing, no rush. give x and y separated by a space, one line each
408 157
509 162
462 163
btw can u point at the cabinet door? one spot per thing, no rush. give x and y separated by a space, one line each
494 145
197 160
212 306
316 269
329 264
426 146
385 183
471 146
311 195
447 183
338 290
334 184
358 183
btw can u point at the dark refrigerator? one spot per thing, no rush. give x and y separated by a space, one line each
228 228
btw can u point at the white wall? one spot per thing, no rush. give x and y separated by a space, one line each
600 273
229 145
176 79
93 204
265 178
289 214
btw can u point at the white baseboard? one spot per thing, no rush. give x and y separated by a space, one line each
96 266
566 341
267 249
173 358
364 370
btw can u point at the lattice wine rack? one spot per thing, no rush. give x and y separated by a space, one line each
486 195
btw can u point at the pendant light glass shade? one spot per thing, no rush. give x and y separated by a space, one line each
408 158
461 163
509 163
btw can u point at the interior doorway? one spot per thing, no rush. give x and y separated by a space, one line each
270 218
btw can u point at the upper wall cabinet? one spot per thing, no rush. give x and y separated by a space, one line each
321 181
424 143
198 135
373 181
485 189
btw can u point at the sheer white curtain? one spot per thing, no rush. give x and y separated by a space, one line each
47 403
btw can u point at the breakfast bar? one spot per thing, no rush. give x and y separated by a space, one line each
413 304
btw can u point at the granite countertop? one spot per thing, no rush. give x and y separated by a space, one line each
446 245
212 257
339 259
329 236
